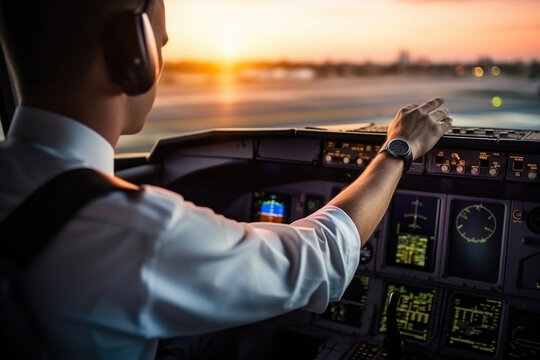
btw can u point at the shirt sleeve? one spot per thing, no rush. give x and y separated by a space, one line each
208 272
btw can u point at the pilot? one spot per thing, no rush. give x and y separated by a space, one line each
125 272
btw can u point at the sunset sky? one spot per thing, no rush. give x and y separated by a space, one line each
352 30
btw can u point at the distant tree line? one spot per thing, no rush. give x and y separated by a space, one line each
351 69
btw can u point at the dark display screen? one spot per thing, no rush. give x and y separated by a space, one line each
313 203
523 338
413 232
474 323
415 311
357 290
349 310
271 207
474 250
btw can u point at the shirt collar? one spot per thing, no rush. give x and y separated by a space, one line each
64 136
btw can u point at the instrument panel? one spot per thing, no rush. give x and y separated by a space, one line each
460 240
451 257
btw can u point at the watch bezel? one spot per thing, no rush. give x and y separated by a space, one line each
406 156
394 148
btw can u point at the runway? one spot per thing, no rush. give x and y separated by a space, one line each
183 106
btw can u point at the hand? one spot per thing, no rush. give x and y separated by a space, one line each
420 125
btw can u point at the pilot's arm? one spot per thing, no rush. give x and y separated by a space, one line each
367 198
239 273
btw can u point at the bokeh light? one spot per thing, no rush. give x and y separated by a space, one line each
495 70
477 71
497 101
460 70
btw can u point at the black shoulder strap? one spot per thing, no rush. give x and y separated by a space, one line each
27 229
24 233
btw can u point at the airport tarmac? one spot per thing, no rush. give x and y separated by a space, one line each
493 102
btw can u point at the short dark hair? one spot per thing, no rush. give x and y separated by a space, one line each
52 42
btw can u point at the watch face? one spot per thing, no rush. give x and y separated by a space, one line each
398 147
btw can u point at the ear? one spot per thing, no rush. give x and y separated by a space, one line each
131 53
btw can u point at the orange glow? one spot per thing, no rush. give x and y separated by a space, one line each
320 30
460 70
478 72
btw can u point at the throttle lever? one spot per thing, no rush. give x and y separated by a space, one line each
393 342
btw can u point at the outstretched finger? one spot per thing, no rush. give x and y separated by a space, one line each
432 104
409 106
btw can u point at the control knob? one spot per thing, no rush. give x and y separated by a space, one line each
493 172
359 161
346 160
460 169
532 175
475 171
328 158
445 168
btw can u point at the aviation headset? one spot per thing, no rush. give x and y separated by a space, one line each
130 51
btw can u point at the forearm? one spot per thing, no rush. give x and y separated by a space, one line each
368 197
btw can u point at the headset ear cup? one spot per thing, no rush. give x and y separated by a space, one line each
131 53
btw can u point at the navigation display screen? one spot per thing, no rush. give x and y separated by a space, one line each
475 240
474 323
349 310
414 313
413 232
271 207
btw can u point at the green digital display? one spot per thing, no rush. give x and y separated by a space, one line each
414 312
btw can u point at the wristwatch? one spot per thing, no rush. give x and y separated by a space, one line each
399 149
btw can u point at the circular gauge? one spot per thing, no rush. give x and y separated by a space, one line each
366 253
476 223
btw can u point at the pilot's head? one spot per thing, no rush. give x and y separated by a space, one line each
62 48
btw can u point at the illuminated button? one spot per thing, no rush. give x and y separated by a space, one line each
460 169
532 175
346 160
493 171
359 161
475 171
328 158
445 168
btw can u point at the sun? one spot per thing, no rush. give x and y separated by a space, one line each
230 47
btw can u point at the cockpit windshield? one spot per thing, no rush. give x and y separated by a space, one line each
314 63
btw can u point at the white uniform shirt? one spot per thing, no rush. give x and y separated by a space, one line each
123 273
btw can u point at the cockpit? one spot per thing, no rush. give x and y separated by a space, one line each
274 139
